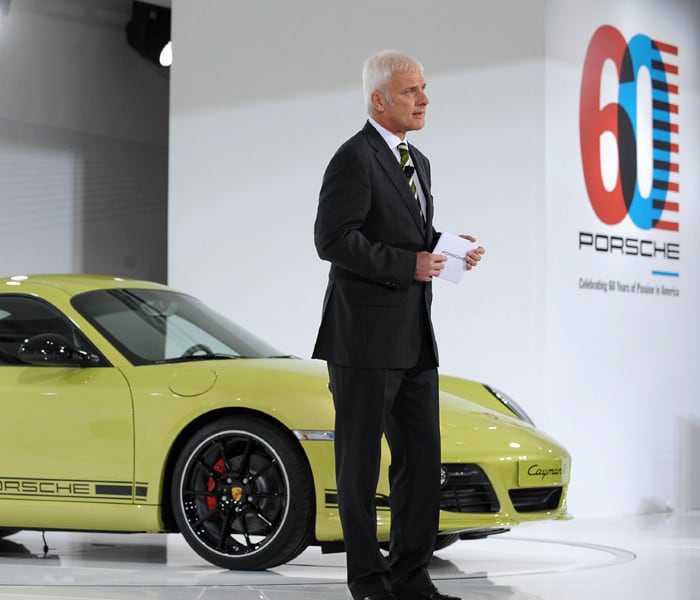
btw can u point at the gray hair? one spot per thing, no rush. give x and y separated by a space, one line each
377 71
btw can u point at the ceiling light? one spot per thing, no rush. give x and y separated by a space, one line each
166 55
148 32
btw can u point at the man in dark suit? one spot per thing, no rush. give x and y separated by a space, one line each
374 225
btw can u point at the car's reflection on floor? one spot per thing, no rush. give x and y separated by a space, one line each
642 557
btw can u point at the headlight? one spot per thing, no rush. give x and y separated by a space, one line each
510 404
444 476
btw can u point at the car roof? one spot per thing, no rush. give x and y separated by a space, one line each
71 284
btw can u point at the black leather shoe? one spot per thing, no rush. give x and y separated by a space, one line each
380 596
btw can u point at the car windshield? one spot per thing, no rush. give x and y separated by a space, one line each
156 326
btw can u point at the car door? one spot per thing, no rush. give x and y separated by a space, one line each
66 433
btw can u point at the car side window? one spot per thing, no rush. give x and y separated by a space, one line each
22 317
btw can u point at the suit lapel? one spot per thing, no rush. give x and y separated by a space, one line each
396 175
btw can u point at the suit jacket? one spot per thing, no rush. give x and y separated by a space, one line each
368 225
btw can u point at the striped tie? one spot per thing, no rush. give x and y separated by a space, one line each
408 170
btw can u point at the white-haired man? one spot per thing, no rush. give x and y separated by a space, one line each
374 225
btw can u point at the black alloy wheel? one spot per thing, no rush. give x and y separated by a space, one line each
243 494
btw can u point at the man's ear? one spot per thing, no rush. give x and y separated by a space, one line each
378 101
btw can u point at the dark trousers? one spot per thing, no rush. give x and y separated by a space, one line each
403 405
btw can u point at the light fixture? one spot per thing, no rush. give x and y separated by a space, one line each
148 32
166 55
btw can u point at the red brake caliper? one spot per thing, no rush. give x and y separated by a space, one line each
211 484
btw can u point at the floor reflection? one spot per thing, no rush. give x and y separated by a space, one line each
642 557
11 549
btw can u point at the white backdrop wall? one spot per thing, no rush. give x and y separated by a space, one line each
260 99
621 364
83 143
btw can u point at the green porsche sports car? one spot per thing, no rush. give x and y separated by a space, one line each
128 406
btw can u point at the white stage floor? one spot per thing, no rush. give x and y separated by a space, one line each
645 557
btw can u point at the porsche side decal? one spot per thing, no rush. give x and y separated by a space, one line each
73 488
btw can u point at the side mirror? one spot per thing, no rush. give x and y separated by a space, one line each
53 350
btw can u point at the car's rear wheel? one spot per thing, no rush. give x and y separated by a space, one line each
243 494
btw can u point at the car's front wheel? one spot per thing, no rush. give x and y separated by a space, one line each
243 494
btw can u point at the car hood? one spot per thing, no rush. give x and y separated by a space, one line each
296 391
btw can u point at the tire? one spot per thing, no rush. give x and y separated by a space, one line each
243 494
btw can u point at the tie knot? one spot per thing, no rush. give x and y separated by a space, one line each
403 153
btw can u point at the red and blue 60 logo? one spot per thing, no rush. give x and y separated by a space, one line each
640 121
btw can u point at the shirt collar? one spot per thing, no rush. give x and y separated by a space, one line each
391 139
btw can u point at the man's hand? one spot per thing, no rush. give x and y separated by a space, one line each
472 257
428 266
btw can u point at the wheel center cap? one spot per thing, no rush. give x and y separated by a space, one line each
236 493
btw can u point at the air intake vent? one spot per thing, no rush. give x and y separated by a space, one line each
535 499
467 490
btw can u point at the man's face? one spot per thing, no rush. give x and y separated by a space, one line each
403 108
